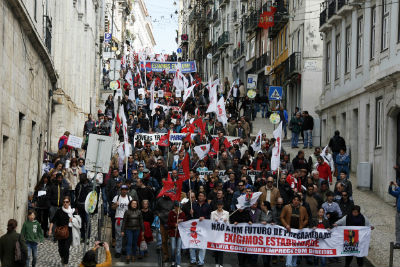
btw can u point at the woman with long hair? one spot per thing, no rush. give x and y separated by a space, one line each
63 221
72 176
132 226
41 199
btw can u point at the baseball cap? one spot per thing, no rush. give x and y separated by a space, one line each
124 187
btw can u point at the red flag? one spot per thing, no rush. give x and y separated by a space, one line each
178 190
186 167
226 143
118 123
267 19
188 138
214 147
164 140
201 125
169 177
169 190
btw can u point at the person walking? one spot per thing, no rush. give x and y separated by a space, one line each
342 162
295 126
132 227
336 143
394 190
175 216
219 215
308 126
8 246
41 198
321 223
63 221
33 234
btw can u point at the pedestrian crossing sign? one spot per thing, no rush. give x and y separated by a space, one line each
275 93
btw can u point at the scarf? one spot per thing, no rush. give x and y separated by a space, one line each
70 213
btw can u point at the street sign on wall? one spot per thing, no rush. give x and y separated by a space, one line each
251 81
107 37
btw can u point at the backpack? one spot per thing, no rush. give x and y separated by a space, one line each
114 205
20 255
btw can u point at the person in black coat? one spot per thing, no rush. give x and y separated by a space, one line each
299 162
336 143
42 202
83 188
241 216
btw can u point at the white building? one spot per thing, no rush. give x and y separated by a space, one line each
140 27
361 94
304 76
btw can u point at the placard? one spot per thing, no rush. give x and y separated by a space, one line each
74 141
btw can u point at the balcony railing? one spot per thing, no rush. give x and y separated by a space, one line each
235 16
322 16
223 40
193 16
214 49
330 8
281 17
293 64
216 18
251 22
262 61
239 51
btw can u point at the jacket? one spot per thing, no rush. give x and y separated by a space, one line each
43 201
275 194
296 125
56 194
7 248
266 217
325 222
336 143
81 192
396 194
32 231
287 214
325 171
300 163
107 263
308 123
133 220
172 226
163 207
76 230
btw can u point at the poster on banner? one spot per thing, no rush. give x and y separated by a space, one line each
177 138
275 240
152 138
254 174
178 93
170 67
221 174
160 93
74 141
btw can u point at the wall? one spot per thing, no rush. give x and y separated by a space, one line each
25 84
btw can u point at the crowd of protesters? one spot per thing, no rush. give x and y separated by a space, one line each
304 193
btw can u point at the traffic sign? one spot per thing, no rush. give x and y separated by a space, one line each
179 50
275 93
251 81
107 37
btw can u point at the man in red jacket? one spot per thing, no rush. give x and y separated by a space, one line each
324 170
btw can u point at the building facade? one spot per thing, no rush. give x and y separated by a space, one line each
140 28
361 93
28 76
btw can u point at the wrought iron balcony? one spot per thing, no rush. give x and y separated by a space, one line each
223 40
193 16
262 61
293 64
333 10
251 22
216 17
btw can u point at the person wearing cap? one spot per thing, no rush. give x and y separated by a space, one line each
219 215
175 216
120 204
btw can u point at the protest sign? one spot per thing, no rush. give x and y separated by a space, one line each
160 93
170 67
152 138
178 93
275 240
74 141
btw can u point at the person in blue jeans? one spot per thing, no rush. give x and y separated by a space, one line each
308 126
132 227
396 194
295 125
175 216
33 234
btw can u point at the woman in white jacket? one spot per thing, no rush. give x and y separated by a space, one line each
219 215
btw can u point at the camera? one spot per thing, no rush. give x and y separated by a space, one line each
101 244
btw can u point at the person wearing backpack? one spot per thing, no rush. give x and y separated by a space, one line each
13 250
83 188
33 233
120 204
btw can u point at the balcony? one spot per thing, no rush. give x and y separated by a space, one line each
223 3
193 16
216 17
333 10
48 30
215 50
293 64
262 61
251 22
235 18
238 52
281 17
223 40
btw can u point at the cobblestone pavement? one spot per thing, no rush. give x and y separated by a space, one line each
48 251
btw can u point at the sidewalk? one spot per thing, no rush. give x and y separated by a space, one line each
380 213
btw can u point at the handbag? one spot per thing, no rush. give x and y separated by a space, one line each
61 232
143 246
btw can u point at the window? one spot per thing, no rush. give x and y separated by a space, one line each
35 9
373 26
385 25
328 63
286 37
379 122
277 45
359 41
298 41
282 40
337 57
347 58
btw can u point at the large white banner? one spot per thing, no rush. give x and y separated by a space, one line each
275 240
276 150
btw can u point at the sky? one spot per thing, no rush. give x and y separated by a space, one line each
164 27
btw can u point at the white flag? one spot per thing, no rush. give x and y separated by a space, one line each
152 94
257 143
221 112
187 92
202 150
247 200
324 150
128 78
276 150
132 96
212 107
125 131
230 91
